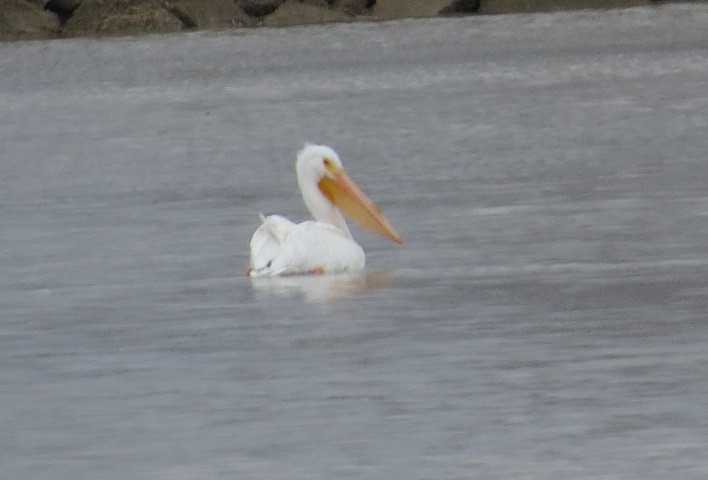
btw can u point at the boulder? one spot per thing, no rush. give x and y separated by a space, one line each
394 9
24 20
37 19
210 14
62 7
140 19
296 13
461 7
121 17
352 7
356 7
259 8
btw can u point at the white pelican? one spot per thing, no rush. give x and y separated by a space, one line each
322 245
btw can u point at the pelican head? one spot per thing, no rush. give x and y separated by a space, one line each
314 162
328 191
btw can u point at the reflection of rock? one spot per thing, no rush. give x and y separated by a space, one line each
21 19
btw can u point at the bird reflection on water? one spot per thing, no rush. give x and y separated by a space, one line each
322 288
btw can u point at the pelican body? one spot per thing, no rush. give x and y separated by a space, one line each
325 244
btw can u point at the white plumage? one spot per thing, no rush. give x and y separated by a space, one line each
323 245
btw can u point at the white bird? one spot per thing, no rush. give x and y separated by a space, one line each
322 245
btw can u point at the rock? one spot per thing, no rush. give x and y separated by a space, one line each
140 19
67 6
461 7
394 9
63 8
121 17
259 8
28 19
356 7
210 14
24 20
296 13
352 7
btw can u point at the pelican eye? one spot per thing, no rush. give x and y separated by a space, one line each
331 166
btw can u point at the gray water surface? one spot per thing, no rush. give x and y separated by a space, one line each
545 318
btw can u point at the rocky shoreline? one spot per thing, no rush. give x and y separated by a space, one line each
47 19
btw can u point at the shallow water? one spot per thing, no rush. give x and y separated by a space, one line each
545 317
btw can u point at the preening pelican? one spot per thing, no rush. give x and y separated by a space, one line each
322 245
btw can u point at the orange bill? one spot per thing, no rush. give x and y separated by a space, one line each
349 198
